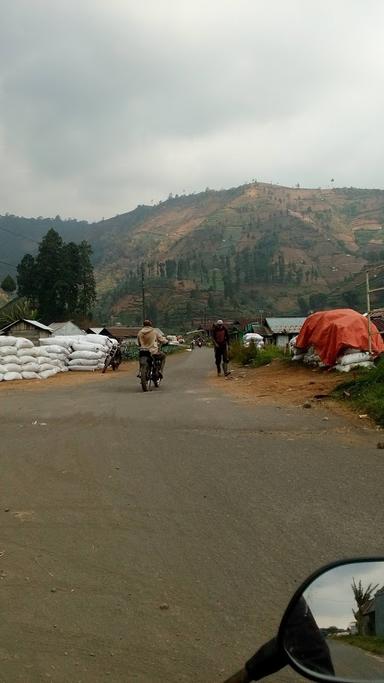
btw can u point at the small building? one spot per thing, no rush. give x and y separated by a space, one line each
30 329
282 330
119 332
65 329
377 317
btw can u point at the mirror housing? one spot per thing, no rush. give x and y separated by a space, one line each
310 648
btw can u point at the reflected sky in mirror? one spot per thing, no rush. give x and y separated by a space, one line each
330 597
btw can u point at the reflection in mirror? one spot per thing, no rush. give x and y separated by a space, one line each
336 628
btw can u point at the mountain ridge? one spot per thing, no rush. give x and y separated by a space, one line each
252 247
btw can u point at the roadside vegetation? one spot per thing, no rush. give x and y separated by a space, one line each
254 357
366 392
373 644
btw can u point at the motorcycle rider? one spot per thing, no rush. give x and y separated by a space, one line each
220 337
149 339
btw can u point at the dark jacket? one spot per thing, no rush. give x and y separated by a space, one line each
220 335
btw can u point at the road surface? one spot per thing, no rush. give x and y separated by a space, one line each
352 662
158 537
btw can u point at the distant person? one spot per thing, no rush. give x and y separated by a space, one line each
220 337
150 339
192 344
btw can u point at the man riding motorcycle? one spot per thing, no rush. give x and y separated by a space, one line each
149 339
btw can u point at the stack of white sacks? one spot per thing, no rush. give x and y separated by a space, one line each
84 353
354 358
348 360
20 359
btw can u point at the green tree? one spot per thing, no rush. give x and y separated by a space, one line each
86 281
27 278
60 281
8 284
362 596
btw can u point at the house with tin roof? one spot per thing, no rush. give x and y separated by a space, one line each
277 331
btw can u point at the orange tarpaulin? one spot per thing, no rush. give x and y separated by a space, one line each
331 332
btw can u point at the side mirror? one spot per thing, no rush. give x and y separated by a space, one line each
333 628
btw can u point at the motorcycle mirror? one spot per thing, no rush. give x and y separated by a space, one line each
333 628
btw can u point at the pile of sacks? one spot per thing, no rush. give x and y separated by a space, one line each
354 358
350 359
84 353
20 359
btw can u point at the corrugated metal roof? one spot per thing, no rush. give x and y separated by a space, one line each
40 325
34 323
285 325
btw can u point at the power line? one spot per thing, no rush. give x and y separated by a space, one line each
16 234
8 264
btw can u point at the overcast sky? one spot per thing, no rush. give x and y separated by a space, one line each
331 597
106 104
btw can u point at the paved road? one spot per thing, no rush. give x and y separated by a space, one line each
157 537
352 662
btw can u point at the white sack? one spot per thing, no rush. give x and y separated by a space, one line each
5 360
7 351
83 361
30 375
90 355
63 342
12 375
22 343
83 368
55 348
95 348
7 341
12 367
48 373
354 366
45 367
27 359
34 351
42 359
349 358
30 367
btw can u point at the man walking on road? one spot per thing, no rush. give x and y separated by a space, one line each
220 338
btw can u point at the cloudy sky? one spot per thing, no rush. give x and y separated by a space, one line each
330 597
106 104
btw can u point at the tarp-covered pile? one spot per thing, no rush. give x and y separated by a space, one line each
338 338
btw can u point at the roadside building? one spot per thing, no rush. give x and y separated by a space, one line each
282 330
122 333
30 329
377 317
277 331
65 329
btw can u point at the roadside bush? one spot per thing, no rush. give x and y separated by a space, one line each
131 351
251 355
366 391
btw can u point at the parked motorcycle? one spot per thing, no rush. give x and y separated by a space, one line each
316 637
113 358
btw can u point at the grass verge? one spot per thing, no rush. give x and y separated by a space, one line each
366 392
373 644
253 357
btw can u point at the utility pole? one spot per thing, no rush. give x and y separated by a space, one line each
142 292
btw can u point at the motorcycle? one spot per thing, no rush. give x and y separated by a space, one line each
113 358
316 637
149 370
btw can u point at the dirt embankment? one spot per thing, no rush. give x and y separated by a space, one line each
281 383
